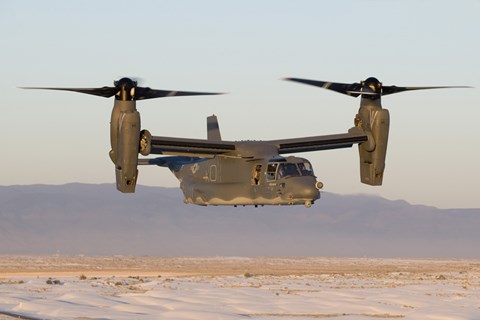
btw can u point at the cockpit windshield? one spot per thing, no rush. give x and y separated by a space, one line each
278 170
305 168
287 169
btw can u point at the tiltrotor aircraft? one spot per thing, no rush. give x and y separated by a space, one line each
218 172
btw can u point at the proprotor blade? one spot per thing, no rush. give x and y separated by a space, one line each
394 89
350 89
126 89
106 92
371 88
148 93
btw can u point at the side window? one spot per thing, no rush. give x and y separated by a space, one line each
271 169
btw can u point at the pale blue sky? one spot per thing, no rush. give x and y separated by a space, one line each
243 48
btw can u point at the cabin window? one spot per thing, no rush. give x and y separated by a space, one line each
213 173
271 170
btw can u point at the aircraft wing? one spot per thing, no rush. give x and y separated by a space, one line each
209 148
317 143
190 147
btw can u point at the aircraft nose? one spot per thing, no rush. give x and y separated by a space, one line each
303 189
310 192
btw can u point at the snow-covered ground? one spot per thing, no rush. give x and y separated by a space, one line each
368 294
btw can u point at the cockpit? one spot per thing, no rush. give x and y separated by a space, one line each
279 168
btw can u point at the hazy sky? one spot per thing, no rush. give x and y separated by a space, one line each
244 48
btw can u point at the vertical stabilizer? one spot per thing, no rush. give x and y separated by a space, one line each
213 130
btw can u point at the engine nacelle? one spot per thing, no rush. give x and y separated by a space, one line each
375 122
125 142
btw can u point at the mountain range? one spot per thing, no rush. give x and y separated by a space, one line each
95 219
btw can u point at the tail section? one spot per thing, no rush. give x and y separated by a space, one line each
213 130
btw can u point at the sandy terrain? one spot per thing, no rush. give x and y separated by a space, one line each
20 266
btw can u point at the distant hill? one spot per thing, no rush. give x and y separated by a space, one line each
97 220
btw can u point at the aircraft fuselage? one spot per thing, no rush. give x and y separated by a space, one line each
230 180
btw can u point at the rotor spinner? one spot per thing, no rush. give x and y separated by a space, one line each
371 88
126 89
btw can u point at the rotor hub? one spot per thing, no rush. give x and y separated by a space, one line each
126 89
372 88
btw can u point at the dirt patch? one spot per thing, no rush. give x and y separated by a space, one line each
21 266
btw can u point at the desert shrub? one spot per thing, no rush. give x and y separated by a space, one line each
53 281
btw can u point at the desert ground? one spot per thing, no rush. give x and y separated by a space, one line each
121 287
56 265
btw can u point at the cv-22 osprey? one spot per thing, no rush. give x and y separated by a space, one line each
219 172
